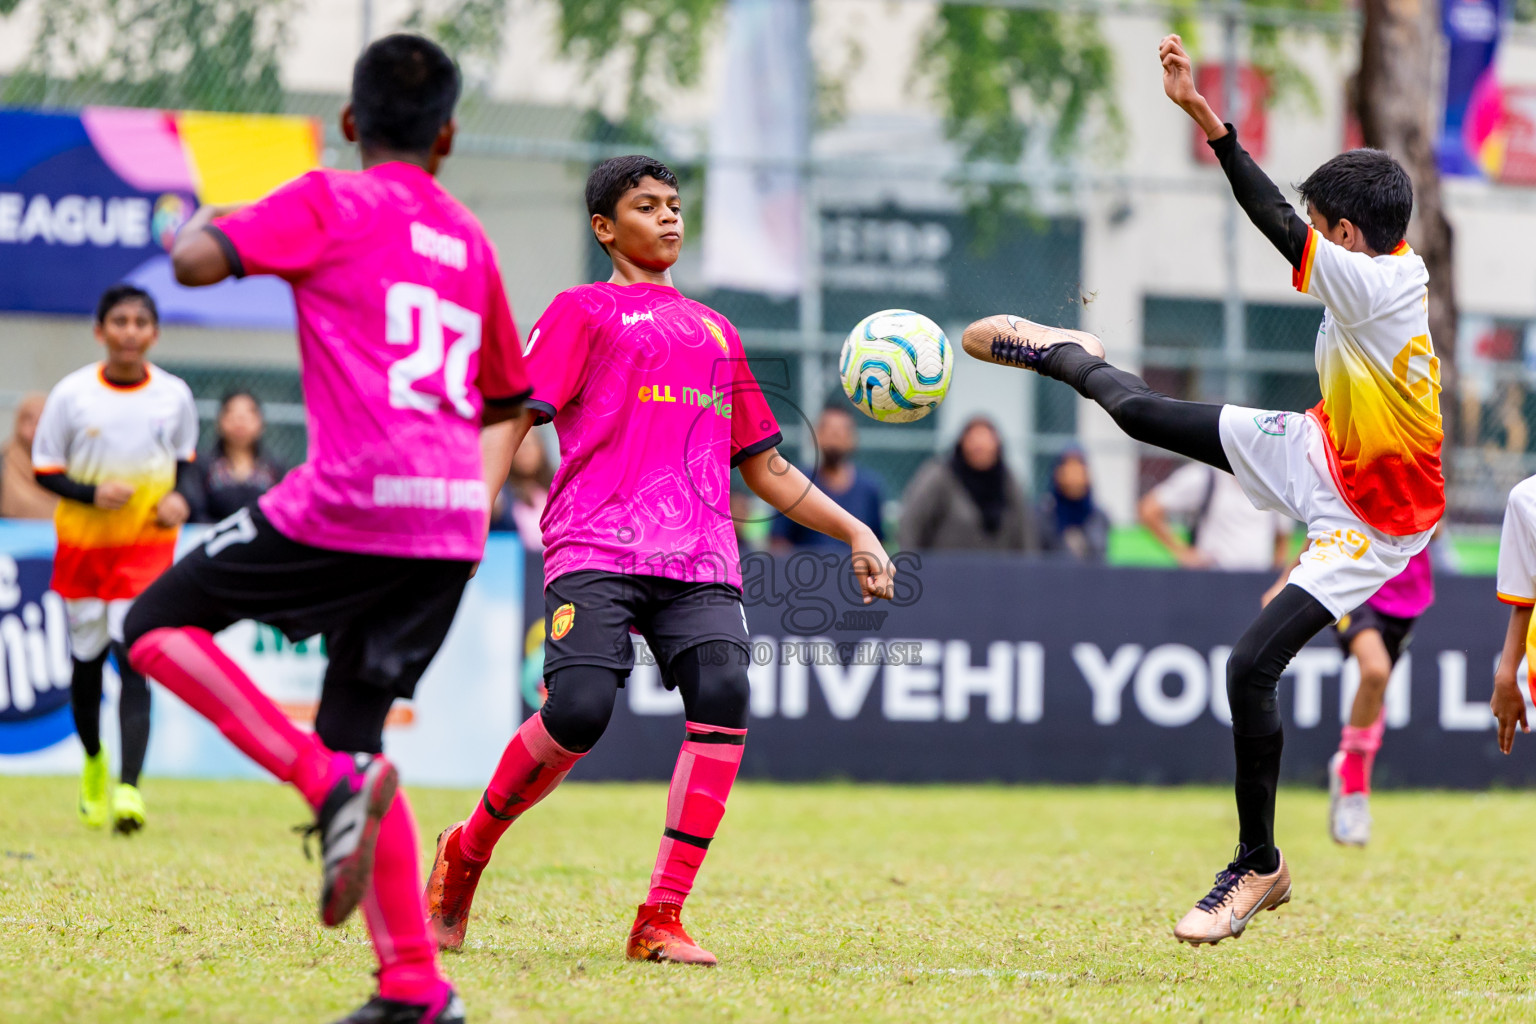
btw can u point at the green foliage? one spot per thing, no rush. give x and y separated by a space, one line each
471 30
1268 45
998 71
186 54
660 42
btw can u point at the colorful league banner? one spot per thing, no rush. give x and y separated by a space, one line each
90 199
1468 144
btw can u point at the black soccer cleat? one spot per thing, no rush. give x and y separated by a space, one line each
444 1008
348 825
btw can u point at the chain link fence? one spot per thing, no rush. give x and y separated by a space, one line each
895 232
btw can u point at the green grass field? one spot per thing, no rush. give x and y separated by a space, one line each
824 903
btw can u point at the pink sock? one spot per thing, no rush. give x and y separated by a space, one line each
531 766
187 662
1359 747
701 782
407 957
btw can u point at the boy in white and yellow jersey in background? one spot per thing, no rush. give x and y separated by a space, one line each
115 440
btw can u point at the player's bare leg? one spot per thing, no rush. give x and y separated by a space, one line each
1349 771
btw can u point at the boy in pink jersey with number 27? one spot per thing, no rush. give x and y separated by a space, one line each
654 404
408 349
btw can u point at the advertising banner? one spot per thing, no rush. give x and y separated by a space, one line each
451 735
984 668
1472 96
989 667
94 198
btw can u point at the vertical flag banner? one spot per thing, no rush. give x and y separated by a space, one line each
1469 131
94 198
752 230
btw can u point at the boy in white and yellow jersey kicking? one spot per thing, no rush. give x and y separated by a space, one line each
1361 468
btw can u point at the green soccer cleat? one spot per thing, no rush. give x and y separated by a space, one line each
94 779
127 810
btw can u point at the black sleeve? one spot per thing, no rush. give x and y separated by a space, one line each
189 484
1264 204
64 487
231 254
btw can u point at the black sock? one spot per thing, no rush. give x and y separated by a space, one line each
85 701
1070 364
1191 429
1258 776
132 716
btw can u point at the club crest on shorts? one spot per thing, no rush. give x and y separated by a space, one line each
1272 423
560 623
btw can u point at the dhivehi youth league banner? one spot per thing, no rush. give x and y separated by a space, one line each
94 198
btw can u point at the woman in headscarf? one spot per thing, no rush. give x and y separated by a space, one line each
1070 523
968 501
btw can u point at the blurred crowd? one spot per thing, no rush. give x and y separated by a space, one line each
962 499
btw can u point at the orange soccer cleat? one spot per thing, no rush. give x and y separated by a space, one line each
658 935
450 890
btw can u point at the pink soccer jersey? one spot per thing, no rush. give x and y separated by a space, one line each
654 403
404 332
1410 593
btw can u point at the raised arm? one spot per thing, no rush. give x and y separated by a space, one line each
198 256
781 484
1259 197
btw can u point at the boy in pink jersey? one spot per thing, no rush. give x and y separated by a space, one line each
654 405
408 348
1376 634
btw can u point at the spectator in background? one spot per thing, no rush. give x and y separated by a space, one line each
855 489
1070 523
1225 530
20 495
968 501
235 472
520 504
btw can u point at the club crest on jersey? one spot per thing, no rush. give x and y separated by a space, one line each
1272 423
716 333
560 623
630 319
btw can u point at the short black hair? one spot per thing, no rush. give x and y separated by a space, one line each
404 88
610 179
1367 187
121 293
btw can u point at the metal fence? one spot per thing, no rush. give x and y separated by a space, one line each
1029 263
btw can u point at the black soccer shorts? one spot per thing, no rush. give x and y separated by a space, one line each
588 615
383 618
1395 632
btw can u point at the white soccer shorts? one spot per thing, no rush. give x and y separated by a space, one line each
1280 460
93 623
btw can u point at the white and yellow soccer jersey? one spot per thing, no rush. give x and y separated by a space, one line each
94 430
1380 381
1517 562
1517 546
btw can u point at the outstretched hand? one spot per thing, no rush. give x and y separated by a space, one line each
1178 72
1179 84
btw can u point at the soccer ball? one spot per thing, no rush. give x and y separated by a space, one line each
896 365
